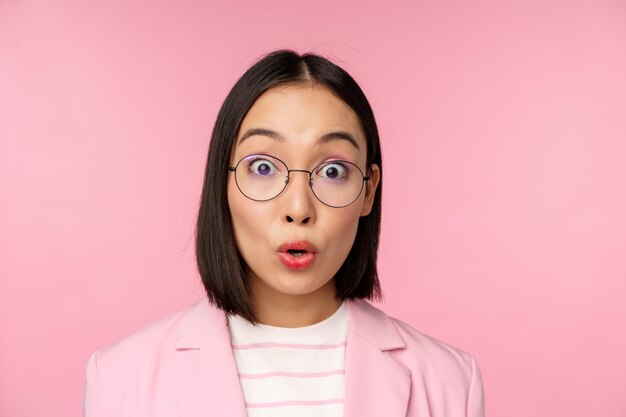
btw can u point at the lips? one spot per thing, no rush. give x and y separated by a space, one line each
297 255
297 245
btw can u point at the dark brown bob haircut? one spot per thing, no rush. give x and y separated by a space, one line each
219 262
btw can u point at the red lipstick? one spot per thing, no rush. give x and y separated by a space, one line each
297 254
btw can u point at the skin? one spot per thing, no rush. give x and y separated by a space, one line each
301 114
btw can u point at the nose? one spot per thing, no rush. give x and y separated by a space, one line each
298 199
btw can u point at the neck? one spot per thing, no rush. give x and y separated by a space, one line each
294 310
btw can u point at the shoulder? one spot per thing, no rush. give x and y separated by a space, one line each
445 377
143 351
124 377
432 360
442 374
149 336
432 351
398 337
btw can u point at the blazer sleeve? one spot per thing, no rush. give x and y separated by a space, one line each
476 396
94 396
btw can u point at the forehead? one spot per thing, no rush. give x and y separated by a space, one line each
302 114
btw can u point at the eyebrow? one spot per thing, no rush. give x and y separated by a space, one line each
328 137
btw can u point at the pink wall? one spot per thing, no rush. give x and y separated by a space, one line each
503 130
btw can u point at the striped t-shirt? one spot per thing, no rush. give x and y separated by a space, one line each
295 372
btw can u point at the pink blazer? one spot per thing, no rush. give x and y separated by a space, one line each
183 366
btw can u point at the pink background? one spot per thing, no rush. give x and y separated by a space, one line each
503 132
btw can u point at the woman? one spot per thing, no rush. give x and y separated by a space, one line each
287 239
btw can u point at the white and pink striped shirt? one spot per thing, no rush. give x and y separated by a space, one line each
294 372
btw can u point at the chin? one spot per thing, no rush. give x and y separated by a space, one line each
295 285
295 288
289 282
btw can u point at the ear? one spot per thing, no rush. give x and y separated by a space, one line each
370 189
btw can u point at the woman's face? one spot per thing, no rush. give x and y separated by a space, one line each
300 115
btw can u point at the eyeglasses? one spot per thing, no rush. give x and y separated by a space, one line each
335 183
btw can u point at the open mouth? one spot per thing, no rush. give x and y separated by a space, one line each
297 255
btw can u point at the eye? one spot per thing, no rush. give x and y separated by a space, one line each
333 171
261 167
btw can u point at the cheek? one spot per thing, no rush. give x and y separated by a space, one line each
247 221
343 227
239 213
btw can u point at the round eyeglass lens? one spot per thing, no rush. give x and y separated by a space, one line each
337 183
261 177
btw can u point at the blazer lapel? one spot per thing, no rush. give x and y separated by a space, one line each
375 383
205 381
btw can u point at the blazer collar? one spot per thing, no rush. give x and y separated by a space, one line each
202 320
205 381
